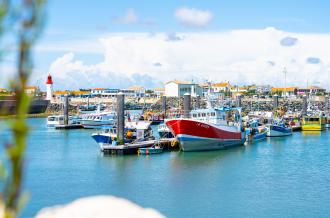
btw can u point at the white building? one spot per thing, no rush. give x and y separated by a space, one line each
221 87
159 92
264 89
177 88
138 91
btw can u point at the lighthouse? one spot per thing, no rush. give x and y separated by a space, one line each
49 84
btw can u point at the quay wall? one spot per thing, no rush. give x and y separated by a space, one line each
248 104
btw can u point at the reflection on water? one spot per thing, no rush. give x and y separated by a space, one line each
311 133
263 179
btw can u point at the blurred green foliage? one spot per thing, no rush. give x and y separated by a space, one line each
27 19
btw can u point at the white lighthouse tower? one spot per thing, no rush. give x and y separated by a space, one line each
49 85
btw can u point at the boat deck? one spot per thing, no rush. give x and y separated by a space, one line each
132 148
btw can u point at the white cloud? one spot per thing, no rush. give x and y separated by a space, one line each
193 17
241 56
130 17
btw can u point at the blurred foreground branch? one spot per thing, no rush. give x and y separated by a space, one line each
29 22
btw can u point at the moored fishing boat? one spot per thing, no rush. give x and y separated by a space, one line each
327 124
278 129
97 120
313 123
208 129
255 131
134 131
295 124
57 120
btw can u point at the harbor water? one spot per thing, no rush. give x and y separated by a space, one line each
277 177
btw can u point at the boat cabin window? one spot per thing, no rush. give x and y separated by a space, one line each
61 118
194 115
203 114
312 119
51 118
212 114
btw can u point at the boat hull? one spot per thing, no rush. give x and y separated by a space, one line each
193 143
90 124
313 127
278 131
167 135
148 151
257 137
102 139
200 136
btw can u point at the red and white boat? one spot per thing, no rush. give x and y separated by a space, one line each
208 129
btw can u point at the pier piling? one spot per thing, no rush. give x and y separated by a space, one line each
275 102
327 103
304 105
186 105
66 110
239 101
198 102
120 117
164 106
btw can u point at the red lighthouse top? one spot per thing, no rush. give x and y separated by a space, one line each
49 79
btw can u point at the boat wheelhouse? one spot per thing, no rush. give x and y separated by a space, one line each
313 123
97 120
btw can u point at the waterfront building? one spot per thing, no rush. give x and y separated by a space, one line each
103 92
221 87
138 91
80 93
177 88
311 90
263 89
205 88
288 91
59 95
238 90
32 90
159 92
98 91
316 89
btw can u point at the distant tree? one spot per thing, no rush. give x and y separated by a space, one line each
319 94
149 91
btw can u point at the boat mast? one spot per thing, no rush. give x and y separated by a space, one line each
285 72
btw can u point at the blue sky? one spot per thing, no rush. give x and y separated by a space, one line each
95 16
81 38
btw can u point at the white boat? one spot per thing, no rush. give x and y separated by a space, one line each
97 120
56 120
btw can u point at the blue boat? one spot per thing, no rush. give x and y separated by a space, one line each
278 129
150 150
256 131
134 131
